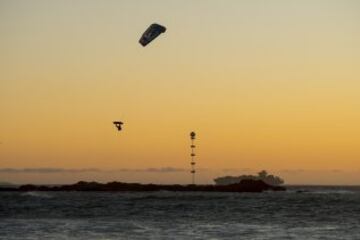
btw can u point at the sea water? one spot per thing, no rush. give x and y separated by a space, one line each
299 213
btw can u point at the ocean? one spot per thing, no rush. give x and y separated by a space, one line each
299 213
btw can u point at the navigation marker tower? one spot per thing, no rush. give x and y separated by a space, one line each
193 171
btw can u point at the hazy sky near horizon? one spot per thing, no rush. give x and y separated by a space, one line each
265 84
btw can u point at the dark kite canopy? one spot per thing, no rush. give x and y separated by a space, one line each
118 125
151 33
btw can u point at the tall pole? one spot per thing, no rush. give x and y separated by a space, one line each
192 137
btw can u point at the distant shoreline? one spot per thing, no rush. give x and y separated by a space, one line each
243 186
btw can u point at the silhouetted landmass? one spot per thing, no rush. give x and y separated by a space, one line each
263 176
246 185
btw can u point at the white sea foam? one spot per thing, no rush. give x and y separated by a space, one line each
38 194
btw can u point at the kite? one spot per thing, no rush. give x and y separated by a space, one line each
151 33
118 125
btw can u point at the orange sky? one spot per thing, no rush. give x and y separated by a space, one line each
266 85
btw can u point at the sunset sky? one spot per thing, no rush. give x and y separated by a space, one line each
269 85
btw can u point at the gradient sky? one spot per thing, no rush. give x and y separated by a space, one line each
265 84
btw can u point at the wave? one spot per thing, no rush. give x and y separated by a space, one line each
322 191
332 192
167 195
37 194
